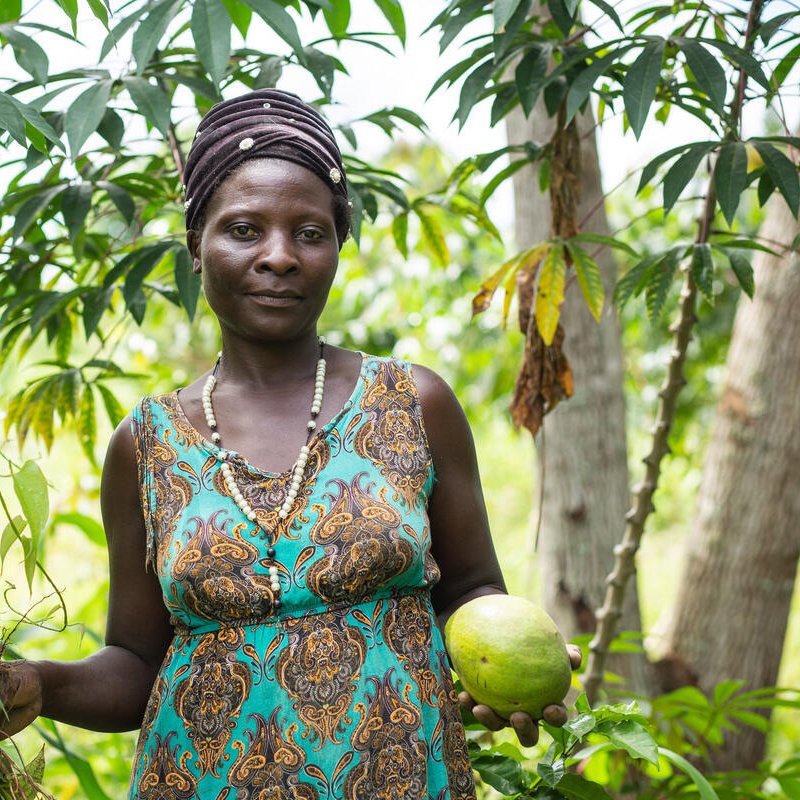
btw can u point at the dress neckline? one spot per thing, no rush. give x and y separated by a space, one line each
320 433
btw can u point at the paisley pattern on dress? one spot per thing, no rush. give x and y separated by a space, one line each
345 691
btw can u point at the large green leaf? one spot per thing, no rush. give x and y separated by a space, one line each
641 82
703 270
502 11
681 172
11 119
529 76
29 54
708 72
187 282
474 84
581 86
11 533
30 486
211 29
743 270
279 20
632 737
783 173
730 177
337 17
500 771
151 101
659 281
576 787
589 279
151 31
85 113
10 10
393 11
75 204
705 789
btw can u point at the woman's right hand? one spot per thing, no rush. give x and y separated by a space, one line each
20 695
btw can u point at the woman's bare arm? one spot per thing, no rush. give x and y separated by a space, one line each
107 691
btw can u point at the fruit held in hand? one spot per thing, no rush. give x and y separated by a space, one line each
508 654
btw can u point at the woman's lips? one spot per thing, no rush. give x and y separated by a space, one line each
276 300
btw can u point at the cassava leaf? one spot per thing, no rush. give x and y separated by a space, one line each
703 270
589 279
641 82
730 177
550 293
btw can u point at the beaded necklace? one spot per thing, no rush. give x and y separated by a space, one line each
297 470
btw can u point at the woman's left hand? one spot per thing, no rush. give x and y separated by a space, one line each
525 726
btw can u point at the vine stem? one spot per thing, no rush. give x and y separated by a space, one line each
625 552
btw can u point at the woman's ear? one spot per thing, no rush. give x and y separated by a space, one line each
193 243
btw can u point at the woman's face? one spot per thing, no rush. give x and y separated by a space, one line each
268 251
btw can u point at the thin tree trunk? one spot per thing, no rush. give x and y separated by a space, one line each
733 603
583 460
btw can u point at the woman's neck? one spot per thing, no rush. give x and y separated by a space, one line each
265 364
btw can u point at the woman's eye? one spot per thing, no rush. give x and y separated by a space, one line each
242 231
310 233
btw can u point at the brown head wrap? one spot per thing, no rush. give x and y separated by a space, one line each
267 123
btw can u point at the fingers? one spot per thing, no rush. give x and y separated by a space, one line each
486 716
575 656
555 714
525 727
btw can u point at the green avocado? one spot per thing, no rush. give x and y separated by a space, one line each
508 654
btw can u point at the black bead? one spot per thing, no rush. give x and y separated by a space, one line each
270 552
276 603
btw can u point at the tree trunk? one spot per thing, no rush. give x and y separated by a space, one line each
732 607
583 459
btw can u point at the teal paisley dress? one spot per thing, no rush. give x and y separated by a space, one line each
345 690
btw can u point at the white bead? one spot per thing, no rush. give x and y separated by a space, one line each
311 425
215 437
251 516
283 513
304 449
273 570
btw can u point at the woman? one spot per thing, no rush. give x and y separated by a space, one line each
281 530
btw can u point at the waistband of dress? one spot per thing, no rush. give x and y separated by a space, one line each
279 619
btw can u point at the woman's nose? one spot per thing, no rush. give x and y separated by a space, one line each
277 253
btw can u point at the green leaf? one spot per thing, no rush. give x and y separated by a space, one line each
433 236
11 533
704 788
211 30
35 767
659 281
784 67
87 424
707 71
581 725
75 204
70 8
651 168
85 113
121 198
681 172
95 303
29 54
151 31
703 270
576 787
337 16
151 100
400 233
10 10
783 173
112 39
11 119
187 282
581 86
473 85
112 128
90 527
530 74
240 15
766 30
100 11
113 408
589 279
633 281
766 186
608 9
30 486
30 210
550 293
502 12
269 74
741 58
641 82
279 20
551 774
632 737
606 241
393 11
563 14
730 177
499 771
743 272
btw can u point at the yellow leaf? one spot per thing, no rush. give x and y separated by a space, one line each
482 300
433 237
754 160
550 293
528 261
